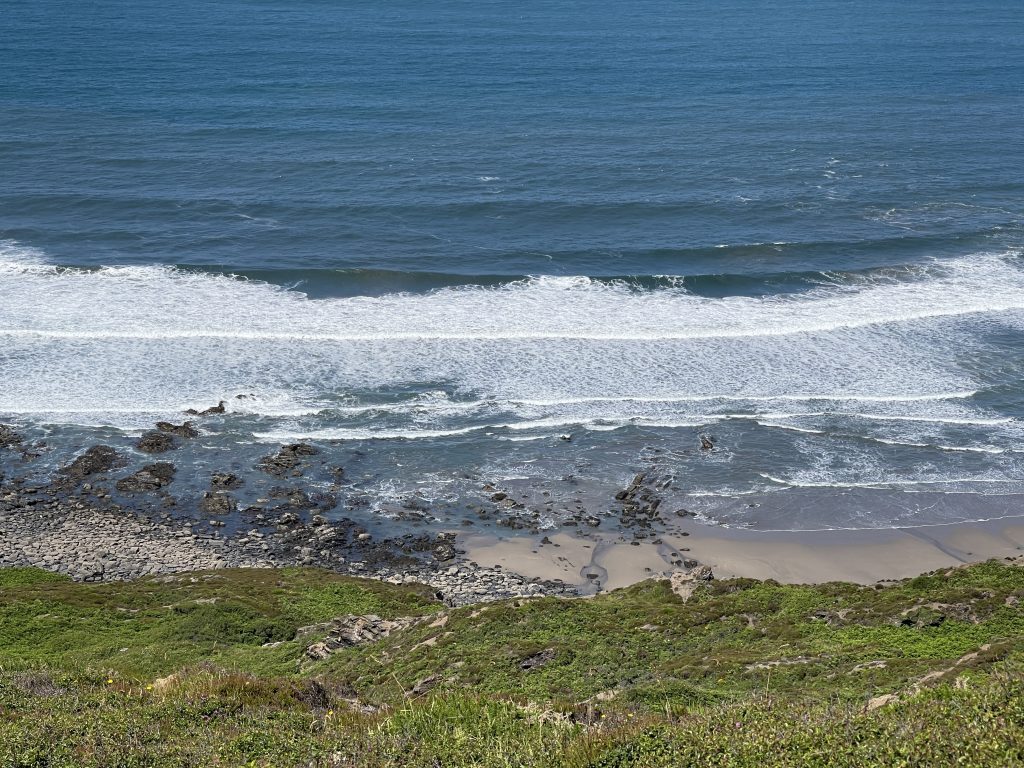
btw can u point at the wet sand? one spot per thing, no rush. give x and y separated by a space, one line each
791 557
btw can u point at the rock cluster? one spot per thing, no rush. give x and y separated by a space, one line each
185 430
639 506
468 584
74 526
211 411
156 442
151 477
97 460
91 542
287 460
9 438
347 631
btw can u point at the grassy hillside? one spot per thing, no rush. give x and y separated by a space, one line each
209 669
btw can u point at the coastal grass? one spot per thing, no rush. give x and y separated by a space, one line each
156 625
208 669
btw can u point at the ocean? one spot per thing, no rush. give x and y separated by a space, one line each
460 246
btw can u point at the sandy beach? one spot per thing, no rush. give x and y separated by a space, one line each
791 557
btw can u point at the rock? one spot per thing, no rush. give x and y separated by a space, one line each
880 701
218 503
98 459
212 411
685 583
182 430
9 438
444 552
934 614
351 630
225 481
286 460
705 443
538 659
156 442
151 477
922 617
424 685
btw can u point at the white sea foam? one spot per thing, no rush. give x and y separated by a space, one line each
551 351
886 483
287 436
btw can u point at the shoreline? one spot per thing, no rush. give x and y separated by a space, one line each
73 524
863 556
90 538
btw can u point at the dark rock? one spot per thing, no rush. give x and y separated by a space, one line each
96 460
922 617
9 438
313 694
322 500
225 481
212 411
151 477
217 503
286 460
705 443
539 659
424 685
156 442
444 552
296 497
181 430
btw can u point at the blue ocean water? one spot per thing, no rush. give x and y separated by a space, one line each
436 238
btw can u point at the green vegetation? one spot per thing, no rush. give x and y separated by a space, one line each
209 669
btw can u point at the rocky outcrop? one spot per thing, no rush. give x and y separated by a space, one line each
211 411
685 583
9 438
349 631
640 505
156 442
217 503
95 461
225 481
185 430
444 550
287 460
934 614
151 477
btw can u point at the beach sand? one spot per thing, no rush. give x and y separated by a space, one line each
792 557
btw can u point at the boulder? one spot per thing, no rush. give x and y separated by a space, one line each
286 460
211 411
225 481
181 430
96 460
217 503
156 442
9 438
443 551
151 477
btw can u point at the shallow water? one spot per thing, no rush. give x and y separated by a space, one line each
436 240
